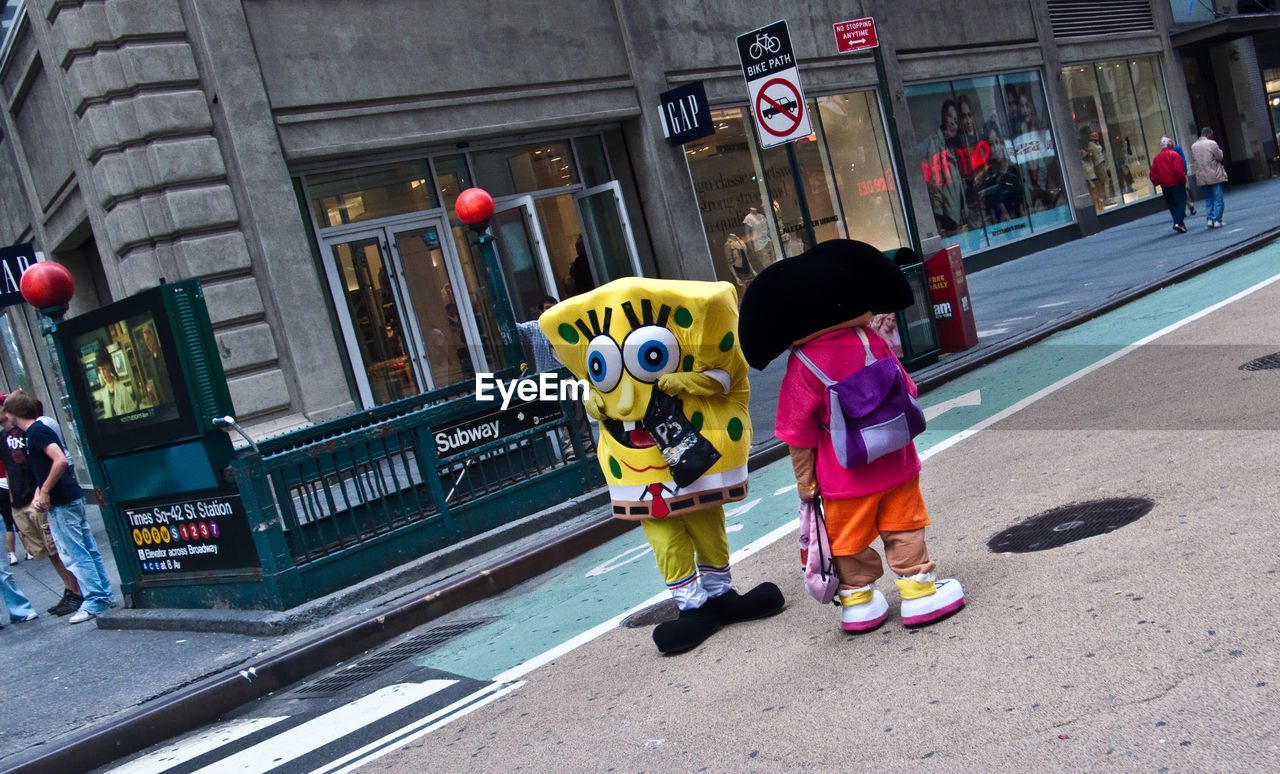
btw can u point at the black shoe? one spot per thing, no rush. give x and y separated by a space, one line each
68 604
761 602
686 632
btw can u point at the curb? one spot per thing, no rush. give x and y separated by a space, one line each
208 700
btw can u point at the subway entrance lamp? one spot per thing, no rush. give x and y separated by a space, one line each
474 207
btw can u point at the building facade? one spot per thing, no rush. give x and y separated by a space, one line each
302 158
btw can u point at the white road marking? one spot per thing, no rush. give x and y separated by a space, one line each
784 490
741 509
992 332
1055 303
194 746
402 736
972 398
317 732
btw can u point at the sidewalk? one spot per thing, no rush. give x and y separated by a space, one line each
83 695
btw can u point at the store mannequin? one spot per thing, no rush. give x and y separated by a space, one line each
758 241
735 255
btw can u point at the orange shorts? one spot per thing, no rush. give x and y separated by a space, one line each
854 524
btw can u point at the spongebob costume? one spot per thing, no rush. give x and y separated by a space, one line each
668 383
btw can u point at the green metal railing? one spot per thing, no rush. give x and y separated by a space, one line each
337 503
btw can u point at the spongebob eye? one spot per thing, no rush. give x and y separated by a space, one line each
650 351
604 363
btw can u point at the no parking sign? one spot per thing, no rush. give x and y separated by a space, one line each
773 81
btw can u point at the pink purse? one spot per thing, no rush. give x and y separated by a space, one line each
820 578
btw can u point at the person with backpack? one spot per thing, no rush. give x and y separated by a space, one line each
846 410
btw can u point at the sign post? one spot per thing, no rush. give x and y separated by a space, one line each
773 83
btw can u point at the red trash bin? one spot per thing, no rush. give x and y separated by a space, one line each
949 291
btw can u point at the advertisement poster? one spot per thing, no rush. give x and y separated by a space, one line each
988 159
191 532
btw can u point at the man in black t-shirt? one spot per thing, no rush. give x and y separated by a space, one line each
58 494
32 524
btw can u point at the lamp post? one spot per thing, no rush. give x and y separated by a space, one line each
474 207
48 287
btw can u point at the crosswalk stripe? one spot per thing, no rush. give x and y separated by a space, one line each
315 733
194 746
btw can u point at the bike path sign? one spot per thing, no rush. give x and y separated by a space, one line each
773 82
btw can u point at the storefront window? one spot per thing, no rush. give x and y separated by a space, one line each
863 169
367 193
1120 113
751 212
525 168
988 159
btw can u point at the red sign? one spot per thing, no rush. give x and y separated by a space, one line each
855 35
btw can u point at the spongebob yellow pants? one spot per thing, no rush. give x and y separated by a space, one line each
692 550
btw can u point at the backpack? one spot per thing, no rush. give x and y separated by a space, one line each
820 578
872 412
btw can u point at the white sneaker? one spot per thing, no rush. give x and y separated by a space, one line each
862 609
80 616
1218 224
920 608
12 558
31 617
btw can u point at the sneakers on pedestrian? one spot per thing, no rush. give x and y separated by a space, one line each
1218 224
1181 229
925 600
29 556
68 604
33 616
80 616
862 609
13 559
1191 208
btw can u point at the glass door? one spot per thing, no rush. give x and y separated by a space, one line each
607 233
442 318
403 308
522 252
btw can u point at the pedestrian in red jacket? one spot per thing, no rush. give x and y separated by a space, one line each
1168 171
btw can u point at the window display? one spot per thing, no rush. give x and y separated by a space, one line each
988 159
750 208
1120 114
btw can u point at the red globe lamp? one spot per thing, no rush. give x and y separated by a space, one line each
474 207
47 286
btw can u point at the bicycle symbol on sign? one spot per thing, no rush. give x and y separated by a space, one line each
765 44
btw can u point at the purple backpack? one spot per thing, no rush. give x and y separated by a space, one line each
820 578
872 412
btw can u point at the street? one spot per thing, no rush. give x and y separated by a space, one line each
1151 646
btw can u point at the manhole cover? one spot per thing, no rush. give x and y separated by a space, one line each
1070 523
653 615
1264 363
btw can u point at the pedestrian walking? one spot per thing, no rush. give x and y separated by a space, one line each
58 494
1190 185
33 525
1168 170
1210 175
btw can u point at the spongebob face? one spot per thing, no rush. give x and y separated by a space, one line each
622 338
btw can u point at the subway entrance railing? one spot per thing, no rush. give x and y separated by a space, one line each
334 504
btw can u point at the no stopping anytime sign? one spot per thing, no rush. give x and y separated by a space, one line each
773 81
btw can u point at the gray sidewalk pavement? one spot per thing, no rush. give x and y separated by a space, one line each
82 695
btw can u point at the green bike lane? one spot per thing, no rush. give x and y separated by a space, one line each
581 599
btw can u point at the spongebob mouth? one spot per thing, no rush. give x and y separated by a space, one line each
628 434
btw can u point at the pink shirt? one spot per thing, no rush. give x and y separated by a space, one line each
804 411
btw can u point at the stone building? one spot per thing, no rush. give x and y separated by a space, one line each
301 158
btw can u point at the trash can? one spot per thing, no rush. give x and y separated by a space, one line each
915 327
949 290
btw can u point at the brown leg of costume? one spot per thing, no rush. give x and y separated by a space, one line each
905 552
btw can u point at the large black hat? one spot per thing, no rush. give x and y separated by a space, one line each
831 283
